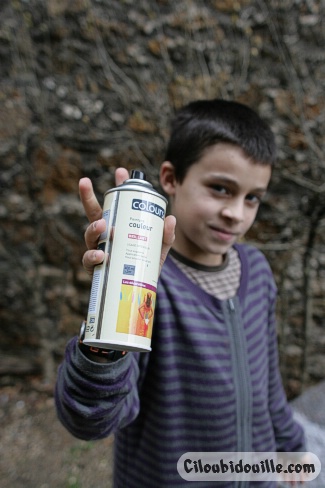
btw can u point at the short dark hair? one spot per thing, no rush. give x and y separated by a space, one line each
203 123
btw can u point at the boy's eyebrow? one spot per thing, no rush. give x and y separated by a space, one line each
225 179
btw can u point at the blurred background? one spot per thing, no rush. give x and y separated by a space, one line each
89 85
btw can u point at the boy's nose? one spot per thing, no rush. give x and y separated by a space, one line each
234 211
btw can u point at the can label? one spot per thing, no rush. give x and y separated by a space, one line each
124 286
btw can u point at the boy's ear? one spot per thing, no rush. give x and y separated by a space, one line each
167 178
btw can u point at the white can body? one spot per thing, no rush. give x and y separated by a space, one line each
123 292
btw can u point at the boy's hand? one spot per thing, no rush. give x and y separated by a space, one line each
97 224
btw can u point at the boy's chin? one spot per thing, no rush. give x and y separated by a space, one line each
220 249
211 256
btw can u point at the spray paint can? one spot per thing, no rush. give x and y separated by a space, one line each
123 292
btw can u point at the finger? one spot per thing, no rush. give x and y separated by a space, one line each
91 259
121 174
89 201
168 237
93 232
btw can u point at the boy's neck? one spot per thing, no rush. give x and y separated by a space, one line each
198 265
197 255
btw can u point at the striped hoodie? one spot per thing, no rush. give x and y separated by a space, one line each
211 383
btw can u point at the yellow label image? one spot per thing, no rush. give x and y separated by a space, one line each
136 308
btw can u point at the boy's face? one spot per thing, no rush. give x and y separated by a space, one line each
216 203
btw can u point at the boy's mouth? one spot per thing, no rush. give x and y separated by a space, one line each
224 234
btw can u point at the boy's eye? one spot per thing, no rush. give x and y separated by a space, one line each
220 189
254 198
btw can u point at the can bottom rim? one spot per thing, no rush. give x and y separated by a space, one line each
118 346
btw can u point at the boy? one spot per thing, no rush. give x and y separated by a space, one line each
211 382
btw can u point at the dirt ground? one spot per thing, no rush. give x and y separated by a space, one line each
37 452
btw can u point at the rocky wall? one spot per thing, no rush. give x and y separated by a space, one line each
86 86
